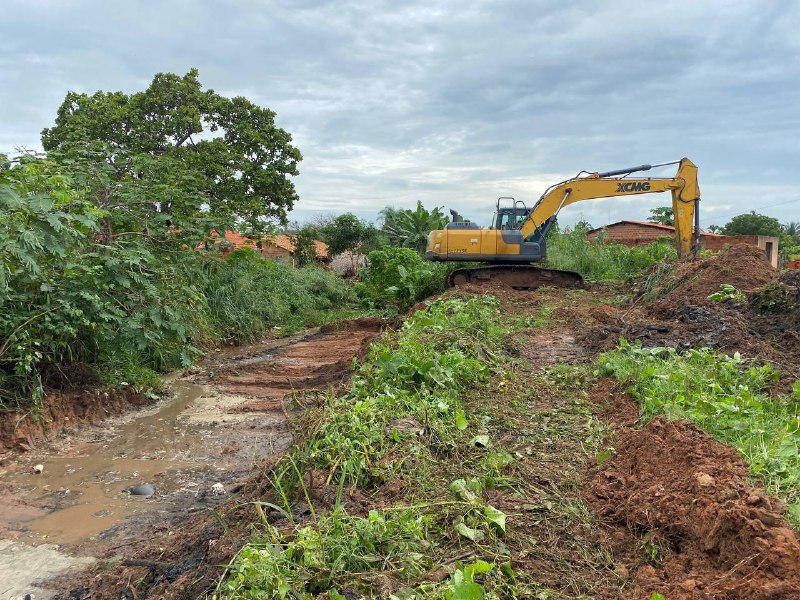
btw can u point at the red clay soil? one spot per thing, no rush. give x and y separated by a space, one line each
743 267
687 493
59 410
315 363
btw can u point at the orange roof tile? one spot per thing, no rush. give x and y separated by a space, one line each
669 228
281 241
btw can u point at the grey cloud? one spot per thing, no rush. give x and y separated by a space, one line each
452 103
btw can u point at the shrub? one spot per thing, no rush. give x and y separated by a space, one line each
598 261
400 277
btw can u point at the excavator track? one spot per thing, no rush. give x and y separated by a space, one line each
519 277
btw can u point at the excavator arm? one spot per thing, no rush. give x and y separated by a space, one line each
684 187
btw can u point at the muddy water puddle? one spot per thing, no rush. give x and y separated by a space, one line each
83 488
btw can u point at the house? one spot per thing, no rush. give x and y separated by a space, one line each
634 233
278 248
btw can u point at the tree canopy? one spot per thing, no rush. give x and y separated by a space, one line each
226 154
663 215
348 233
753 223
408 228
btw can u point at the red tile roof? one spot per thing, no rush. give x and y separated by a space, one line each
669 228
280 241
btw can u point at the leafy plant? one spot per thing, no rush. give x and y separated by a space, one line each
727 292
399 277
599 261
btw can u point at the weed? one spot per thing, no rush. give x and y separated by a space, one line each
598 261
727 292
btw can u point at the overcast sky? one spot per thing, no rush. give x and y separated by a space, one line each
453 103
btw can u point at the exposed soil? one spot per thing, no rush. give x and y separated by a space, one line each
671 508
22 431
676 488
682 316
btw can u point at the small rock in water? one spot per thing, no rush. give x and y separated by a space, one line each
143 490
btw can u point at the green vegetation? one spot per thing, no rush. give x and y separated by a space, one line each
408 228
403 411
662 215
727 292
752 223
726 396
416 416
108 272
598 261
399 277
223 156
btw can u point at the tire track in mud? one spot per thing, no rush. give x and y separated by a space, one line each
229 412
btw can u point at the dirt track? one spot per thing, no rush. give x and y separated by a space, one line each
195 448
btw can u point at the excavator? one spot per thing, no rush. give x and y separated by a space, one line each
518 235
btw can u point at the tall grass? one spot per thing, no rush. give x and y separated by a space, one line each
599 261
246 295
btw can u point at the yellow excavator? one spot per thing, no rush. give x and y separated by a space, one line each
518 235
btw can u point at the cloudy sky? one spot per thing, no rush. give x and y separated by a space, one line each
453 103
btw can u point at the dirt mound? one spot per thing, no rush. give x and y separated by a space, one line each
742 266
708 532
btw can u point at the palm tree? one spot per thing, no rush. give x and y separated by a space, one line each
410 228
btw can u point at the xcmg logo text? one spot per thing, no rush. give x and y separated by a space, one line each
634 186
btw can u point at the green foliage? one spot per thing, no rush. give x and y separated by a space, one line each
727 292
416 376
399 277
348 233
598 261
85 301
752 223
663 215
229 146
776 298
247 295
726 396
408 228
441 352
272 567
305 249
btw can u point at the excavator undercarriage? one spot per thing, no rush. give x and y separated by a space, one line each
519 277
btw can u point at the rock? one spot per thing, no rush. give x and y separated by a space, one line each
142 490
217 489
38 469
704 479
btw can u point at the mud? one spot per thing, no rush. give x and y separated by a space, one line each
676 312
687 496
66 410
195 448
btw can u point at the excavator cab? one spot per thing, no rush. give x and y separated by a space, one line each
510 218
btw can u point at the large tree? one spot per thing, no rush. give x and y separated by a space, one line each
662 215
752 223
348 233
228 148
410 228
